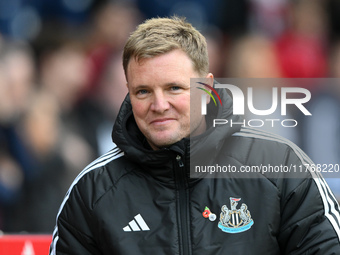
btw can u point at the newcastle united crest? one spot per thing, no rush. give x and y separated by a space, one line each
235 220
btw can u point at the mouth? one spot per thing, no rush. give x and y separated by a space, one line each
163 121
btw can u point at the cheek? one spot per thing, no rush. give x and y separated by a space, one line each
139 108
182 105
195 106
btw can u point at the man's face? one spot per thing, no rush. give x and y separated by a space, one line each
160 96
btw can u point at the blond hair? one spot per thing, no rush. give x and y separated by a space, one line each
161 35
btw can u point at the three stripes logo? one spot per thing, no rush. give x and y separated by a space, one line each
138 224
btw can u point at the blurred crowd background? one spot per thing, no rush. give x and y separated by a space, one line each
62 82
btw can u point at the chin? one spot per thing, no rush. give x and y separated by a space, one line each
165 143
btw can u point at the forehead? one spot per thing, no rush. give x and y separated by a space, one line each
173 63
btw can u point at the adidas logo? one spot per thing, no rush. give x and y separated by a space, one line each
137 224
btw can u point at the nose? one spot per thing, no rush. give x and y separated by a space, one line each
160 103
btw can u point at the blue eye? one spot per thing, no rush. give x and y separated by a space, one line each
175 88
142 91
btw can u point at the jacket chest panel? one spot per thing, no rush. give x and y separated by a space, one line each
146 219
226 217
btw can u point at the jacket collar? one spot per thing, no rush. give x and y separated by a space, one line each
129 138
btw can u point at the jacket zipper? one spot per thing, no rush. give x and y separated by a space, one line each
183 207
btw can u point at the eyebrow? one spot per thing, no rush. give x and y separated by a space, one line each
143 86
175 84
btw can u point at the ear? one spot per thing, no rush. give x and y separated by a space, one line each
210 79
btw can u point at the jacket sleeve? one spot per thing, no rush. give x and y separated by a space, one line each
309 214
72 234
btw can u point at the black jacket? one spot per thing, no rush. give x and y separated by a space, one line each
134 201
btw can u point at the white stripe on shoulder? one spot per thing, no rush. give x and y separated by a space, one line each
113 154
331 206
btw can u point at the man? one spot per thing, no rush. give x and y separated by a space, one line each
139 199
